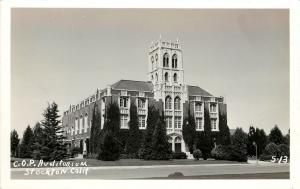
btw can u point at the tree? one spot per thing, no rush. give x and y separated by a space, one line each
251 138
276 135
204 138
261 140
189 131
134 139
109 148
14 143
54 147
25 148
287 138
160 144
152 119
38 141
113 119
110 145
223 136
238 149
95 131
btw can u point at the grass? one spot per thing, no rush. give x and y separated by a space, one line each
132 162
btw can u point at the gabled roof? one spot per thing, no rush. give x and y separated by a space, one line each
133 85
195 90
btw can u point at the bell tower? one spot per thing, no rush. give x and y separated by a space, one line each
165 63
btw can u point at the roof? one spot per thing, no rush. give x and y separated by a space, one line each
133 85
195 90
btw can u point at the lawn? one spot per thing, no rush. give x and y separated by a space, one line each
129 162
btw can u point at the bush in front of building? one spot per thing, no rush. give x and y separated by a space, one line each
109 148
238 148
133 143
95 131
75 151
220 152
179 155
197 154
160 144
204 138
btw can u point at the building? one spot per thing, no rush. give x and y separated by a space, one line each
166 89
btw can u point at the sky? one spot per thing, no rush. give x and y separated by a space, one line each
64 55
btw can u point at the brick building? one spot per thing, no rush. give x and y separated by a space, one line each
165 89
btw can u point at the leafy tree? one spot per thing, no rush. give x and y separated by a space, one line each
25 148
113 119
287 138
189 131
276 135
54 147
238 149
160 144
95 131
259 137
14 143
109 148
38 141
251 138
223 136
152 119
204 138
134 139
110 145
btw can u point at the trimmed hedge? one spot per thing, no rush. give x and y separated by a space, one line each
179 155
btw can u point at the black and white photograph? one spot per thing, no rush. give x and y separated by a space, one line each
149 94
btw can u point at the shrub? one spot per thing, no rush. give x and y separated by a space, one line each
179 155
109 148
272 149
197 154
129 156
220 152
284 150
75 151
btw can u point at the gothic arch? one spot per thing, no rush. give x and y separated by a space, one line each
175 78
166 60
166 77
177 103
168 103
174 61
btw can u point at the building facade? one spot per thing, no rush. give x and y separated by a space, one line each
165 89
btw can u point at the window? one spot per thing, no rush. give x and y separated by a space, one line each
213 108
80 124
174 61
199 124
177 122
76 126
168 103
124 121
156 57
175 78
85 122
141 103
152 62
198 107
142 122
166 77
177 103
214 124
169 122
123 102
156 77
166 60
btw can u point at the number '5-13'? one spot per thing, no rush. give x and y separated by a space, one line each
282 159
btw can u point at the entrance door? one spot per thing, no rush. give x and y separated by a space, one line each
177 144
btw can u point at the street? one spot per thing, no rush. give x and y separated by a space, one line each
139 172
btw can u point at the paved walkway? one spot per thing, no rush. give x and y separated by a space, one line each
138 172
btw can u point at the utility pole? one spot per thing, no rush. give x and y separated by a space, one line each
254 143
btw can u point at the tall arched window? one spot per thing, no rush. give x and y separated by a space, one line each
177 103
166 60
166 77
156 77
152 62
174 61
168 103
175 77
